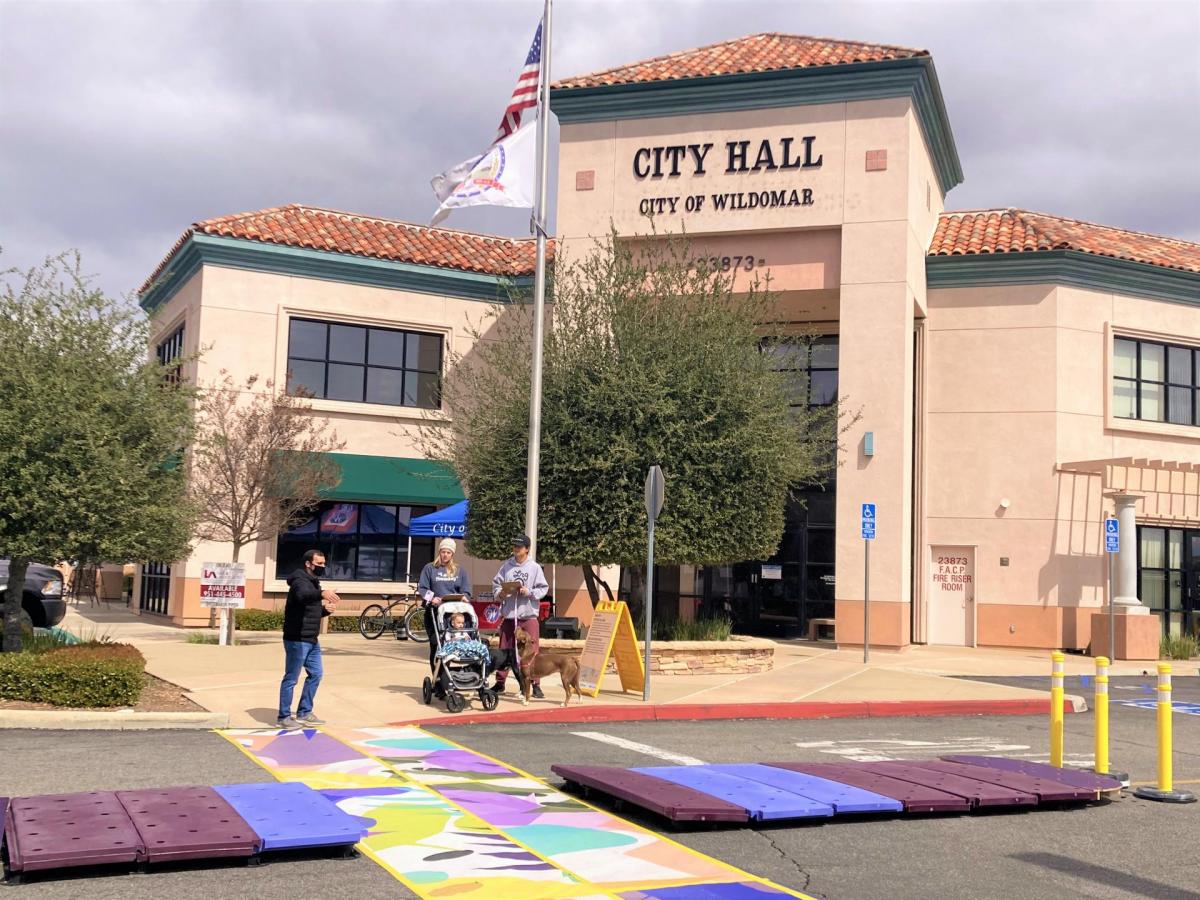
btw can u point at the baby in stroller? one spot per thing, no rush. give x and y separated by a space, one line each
462 660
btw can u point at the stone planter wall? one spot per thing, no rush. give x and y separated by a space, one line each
737 656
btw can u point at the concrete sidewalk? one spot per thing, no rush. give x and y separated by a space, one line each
378 682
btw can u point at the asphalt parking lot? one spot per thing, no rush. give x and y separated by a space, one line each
1124 849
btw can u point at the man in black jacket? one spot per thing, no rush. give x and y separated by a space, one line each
306 605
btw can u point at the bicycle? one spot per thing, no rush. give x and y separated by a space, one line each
376 620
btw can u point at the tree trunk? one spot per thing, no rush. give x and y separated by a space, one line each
231 629
13 596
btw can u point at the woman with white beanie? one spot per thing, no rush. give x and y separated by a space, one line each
439 579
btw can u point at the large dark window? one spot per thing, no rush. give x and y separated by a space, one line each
1156 382
813 369
361 542
169 351
364 364
1166 556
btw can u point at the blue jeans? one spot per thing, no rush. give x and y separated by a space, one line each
298 655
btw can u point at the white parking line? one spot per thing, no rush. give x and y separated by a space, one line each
639 748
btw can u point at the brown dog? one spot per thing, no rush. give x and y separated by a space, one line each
539 665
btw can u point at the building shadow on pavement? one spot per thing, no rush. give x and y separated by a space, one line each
1110 878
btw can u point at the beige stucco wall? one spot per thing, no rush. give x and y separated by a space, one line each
1019 383
239 319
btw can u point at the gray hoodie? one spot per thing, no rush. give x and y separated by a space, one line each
530 574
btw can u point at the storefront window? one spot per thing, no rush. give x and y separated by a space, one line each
1161 573
1156 382
364 365
361 542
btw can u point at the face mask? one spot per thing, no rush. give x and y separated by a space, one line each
318 571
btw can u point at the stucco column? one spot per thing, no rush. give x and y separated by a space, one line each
1125 575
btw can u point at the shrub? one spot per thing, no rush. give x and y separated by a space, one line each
92 674
1178 646
717 629
258 619
343 623
202 637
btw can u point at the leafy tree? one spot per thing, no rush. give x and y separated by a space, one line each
88 425
259 463
652 359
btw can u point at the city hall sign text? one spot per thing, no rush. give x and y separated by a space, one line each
738 157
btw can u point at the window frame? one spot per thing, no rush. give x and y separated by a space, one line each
1165 384
366 366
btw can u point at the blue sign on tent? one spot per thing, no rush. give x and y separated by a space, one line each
449 522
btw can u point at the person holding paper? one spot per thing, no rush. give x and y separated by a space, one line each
519 585
441 578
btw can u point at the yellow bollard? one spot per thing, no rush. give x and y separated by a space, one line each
1164 791
1101 703
1056 708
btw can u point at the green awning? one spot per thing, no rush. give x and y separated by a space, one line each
394 479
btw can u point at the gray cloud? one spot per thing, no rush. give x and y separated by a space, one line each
123 122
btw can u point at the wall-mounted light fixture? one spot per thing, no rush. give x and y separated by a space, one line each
869 444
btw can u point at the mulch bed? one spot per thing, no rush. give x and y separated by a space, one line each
157 696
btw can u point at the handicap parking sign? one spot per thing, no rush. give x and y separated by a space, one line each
868 521
1112 536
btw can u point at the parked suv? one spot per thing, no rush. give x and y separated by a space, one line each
42 600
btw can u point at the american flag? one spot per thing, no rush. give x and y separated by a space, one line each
524 95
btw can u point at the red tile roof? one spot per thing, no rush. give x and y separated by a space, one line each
338 232
767 52
1015 231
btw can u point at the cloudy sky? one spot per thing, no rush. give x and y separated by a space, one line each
122 121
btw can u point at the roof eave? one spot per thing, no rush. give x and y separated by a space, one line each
258 256
913 77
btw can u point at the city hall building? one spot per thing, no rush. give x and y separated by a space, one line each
1017 377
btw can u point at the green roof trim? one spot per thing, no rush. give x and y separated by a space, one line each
915 78
257 256
394 479
1068 267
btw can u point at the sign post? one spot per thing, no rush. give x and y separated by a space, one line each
223 586
1112 546
868 535
655 490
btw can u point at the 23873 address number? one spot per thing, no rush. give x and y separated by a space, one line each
729 263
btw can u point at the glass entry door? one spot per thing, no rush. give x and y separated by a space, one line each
1169 576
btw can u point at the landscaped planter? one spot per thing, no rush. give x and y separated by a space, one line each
737 656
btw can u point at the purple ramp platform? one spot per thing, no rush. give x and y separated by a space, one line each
57 831
292 815
676 802
188 823
980 793
1074 777
916 798
1044 789
844 798
761 801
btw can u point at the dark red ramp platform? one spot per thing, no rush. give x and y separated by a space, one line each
980 793
1044 789
916 798
1074 777
188 823
57 831
676 802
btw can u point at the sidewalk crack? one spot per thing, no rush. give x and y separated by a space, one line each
805 877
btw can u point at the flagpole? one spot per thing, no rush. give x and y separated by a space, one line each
539 291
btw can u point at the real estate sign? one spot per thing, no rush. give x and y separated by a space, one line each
223 584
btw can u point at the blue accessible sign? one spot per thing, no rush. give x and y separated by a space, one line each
1112 536
868 521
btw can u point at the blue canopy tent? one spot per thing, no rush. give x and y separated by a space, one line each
450 522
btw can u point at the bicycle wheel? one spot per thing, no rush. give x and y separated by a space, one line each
374 621
414 624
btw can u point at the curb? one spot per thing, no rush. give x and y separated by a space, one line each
119 720
861 709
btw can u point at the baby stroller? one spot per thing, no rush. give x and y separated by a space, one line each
458 675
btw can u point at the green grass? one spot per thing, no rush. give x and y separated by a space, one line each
201 637
1178 646
717 629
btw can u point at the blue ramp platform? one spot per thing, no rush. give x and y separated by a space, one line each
291 816
844 798
761 801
